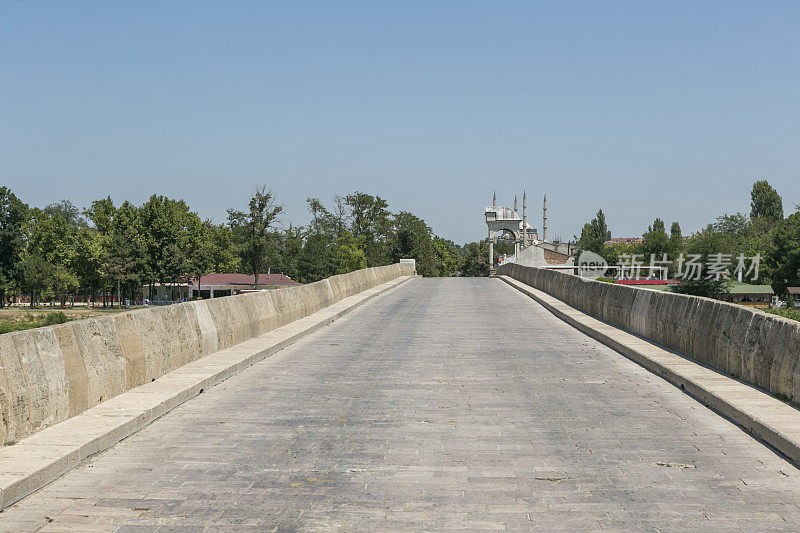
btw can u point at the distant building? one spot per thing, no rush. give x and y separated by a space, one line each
505 225
792 291
624 240
747 294
215 286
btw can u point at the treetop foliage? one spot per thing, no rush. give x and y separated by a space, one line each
765 202
58 250
764 233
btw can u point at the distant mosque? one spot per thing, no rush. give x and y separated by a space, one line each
505 224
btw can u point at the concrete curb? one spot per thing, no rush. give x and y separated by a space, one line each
759 413
39 459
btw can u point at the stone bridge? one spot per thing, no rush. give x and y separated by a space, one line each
392 402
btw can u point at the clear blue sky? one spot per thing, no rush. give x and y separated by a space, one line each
644 109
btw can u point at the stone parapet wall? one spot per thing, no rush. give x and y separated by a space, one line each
756 347
52 373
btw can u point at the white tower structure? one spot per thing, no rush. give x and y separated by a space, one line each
525 238
502 220
544 219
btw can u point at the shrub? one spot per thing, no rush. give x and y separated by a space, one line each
56 317
794 314
702 287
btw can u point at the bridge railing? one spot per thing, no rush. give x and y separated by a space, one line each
759 348
52 373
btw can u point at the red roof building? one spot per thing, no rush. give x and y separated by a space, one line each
246 280
215 286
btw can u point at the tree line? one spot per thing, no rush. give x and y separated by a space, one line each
108 251
764 232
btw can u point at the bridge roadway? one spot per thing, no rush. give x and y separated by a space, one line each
446 404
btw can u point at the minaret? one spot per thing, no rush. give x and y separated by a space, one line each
491 241
518 242
524 218
544 220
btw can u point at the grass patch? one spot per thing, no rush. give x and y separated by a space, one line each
8 327
794 314
31 321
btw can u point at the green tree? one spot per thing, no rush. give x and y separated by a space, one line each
413 239
740 235
675 239
703 286
126 250
37 275
448 257
346 255
705 244
13 215
340 215
64 281
121 263
476 262
172 236
219 247
91 257
503 248
101 214
53 237
67 211
765 202
371 223
216 253
314 261
290 243
89 260
321 219
328 247
252 230
594 235
784 257
732 226
656 242
615 254
383 237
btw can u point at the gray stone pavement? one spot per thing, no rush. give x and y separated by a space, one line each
446 404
